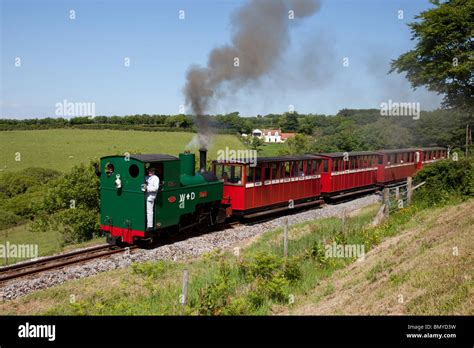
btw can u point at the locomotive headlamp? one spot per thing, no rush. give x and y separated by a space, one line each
118 182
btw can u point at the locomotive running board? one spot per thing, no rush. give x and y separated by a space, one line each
285 208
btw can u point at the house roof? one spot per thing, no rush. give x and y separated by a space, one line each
287 135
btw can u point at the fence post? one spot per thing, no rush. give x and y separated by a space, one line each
343 221
285 238
386 200
409 189
184 294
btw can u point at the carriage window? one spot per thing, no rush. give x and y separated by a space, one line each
302 168
266 171
274 170
354 163
294 169
258 173
325 166
285 169
317 166
235 176
312 167
250 174
219 170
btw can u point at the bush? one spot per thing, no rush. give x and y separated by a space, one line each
237 306
215 296
25 206
445 180
79 187
7 219
275 288
16 183
292 270
263 265
318 253
269 277
71 204
77 225
153 270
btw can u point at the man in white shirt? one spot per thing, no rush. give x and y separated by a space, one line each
151 189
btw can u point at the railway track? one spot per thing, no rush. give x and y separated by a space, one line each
59 261
54 262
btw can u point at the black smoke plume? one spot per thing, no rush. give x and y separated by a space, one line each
260 35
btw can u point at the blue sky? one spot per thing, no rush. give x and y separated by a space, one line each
82 60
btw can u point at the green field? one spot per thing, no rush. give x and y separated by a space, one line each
271 150
48 242
61 149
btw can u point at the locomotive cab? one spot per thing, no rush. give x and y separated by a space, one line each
185 199
123 206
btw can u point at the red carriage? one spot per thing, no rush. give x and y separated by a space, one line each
397 165
347 173
271 184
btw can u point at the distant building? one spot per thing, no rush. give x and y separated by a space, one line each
272 135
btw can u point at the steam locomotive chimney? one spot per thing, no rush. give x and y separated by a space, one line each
202 160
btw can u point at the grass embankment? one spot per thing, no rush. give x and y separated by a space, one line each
414 259
426 269
61 149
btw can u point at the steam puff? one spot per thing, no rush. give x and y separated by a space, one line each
260 34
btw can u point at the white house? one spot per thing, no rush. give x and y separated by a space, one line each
272 135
